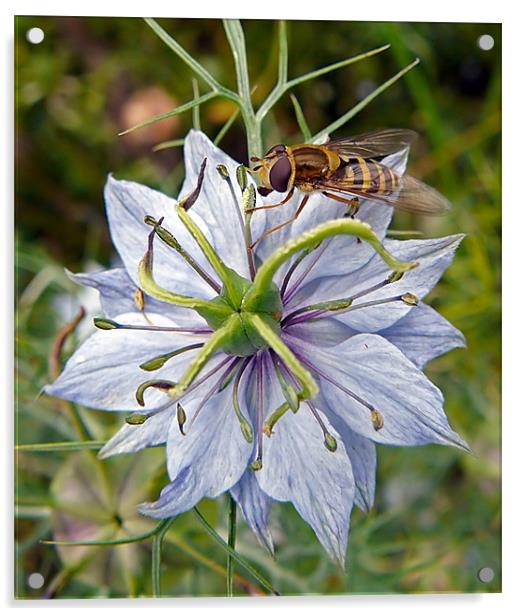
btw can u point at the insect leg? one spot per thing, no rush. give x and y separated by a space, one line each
269 207
353 203
283 224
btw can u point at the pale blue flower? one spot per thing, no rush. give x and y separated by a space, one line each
367 361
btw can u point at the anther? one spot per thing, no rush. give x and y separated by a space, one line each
109 324
249 199
139 300
256 465
150 220
136 419
158 362
105 324
395 276
330 442
163 385
181 416
410 299
223 171
241 177
377 419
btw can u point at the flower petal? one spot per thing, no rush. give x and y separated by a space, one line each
117 291
207 461
127 203
104 372
298 468
362 455
323 332
215 204
255 506
423 334
433 256
132 438
376 371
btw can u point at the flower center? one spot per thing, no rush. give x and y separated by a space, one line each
243 339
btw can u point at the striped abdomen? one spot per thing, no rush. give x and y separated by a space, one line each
368 176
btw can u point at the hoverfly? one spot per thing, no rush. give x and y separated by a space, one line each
345 170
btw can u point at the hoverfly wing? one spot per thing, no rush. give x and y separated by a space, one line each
416 196
404 193
373 144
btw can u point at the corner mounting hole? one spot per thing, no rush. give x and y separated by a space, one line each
35 581
35 35
486 575
485 42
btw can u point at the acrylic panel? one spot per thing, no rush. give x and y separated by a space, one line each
257 307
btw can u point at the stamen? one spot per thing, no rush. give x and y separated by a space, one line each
329 441
249 205
338 304
181 416
140 418
168 238
290 394
241 177
309 388
159 362
375 415
244 424
257 464
343 306
157 384
110 324
292 269
215 388
224 173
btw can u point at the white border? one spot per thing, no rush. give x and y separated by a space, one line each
441 11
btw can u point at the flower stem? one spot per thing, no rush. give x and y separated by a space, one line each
231 543
157 556
234 32
234 555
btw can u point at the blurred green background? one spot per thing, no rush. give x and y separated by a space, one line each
436 521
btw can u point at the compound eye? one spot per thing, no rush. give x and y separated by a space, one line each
276 149
280 174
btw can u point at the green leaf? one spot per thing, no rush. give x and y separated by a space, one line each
168 114
63 446
363 103
302 122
